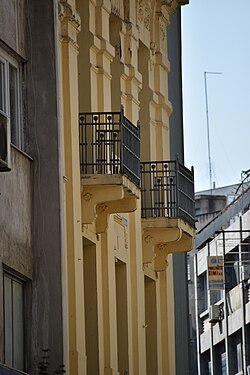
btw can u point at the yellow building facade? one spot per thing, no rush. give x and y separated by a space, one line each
127 207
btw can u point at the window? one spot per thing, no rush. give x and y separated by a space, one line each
209 368
10 96
223 364
239 357
202 292
13 302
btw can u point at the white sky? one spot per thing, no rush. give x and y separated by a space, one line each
216 38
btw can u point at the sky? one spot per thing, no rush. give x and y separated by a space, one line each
216 38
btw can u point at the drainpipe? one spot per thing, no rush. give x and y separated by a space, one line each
244 348
197 315
225 306
212 359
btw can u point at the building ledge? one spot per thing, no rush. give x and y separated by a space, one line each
162 236
103 195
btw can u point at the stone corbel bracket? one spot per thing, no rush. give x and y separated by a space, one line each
106 195
125 205
159 240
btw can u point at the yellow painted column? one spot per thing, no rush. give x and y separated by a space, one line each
164 324
105 301
139 293
137 348
74 337
170 315
109 303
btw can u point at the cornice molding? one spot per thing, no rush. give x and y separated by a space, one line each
67 13
172 5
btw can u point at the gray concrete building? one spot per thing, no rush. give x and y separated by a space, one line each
182 346
30 202
221 314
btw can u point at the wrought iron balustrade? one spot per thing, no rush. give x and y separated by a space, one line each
167 190
109 144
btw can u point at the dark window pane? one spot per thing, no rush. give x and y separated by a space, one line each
13 322
14 110
8 328
2 87
18 320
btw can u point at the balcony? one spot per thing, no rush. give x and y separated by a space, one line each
167 210
109 164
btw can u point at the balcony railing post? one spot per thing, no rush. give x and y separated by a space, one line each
138 148
177 169
193 210
122 139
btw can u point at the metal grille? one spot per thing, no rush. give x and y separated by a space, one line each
109 144
167 190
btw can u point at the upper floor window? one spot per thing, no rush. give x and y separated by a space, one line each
10 96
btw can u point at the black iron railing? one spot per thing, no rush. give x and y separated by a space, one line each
109 144
167 189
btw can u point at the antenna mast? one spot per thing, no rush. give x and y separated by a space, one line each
208 130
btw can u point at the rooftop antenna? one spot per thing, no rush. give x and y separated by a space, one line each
208 133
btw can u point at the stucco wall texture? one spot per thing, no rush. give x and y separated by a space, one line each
15 215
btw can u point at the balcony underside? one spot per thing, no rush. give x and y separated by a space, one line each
162 236
103 195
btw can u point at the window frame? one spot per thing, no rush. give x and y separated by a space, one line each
8 61
14 276
4 62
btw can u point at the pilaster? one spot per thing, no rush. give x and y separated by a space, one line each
69 23
163 359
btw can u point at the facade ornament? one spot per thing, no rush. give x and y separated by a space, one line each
117 8
162 246
87 197
148 239
140 10
144 11
173 4
162 27
153 48
67 13
102 208
125 238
